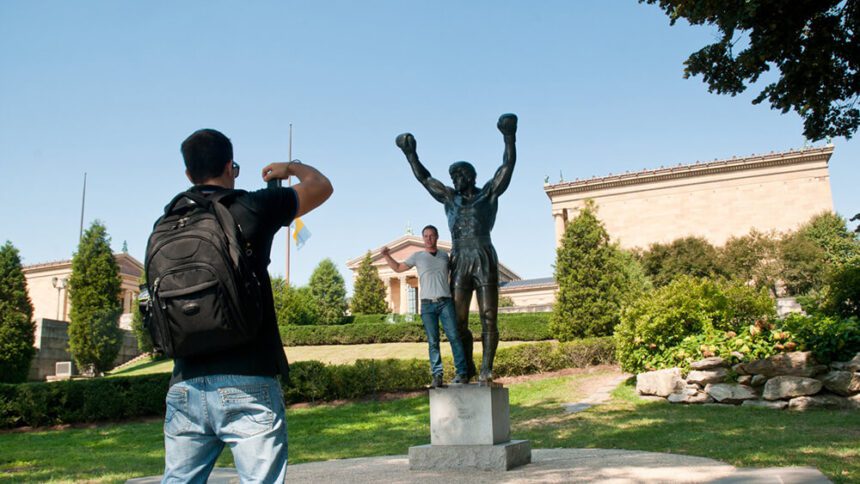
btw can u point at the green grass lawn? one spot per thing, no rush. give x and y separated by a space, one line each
746 437
332 354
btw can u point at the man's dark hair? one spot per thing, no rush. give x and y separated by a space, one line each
206 152
431 227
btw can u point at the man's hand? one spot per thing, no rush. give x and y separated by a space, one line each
279 171
406 142
386 251
507 124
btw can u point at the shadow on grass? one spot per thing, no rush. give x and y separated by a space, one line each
740 436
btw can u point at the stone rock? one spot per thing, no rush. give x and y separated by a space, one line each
758 380
780 387
730 392
708 363
844 383
855 401
661 382
690 394
797 363
740 369
831 402
777 405
699 397
745 379
851 365
717 375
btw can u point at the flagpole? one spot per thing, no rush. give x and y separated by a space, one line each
83 202
289 183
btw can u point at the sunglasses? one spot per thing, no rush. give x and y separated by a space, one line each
235 170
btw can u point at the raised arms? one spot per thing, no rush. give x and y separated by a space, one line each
508 126
406 142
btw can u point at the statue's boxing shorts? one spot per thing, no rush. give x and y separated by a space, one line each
474 263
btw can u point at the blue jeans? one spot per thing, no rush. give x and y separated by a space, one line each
244 412
432 313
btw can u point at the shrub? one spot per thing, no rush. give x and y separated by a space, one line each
293 305
39 404
329 292
547 356
593 284
368 291
367 329
654 326
829 338
16 314
94 288
690 256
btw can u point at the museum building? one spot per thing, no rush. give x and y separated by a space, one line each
716 200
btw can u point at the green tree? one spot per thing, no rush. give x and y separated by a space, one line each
803 264
754 258
369 291
592 277
813 44
144 339
691 256
293 305
17 333
94 289
329 291
830 232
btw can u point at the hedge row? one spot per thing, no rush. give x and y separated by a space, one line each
372 329
73 401
39 404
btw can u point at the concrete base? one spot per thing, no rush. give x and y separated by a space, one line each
499 457
469 415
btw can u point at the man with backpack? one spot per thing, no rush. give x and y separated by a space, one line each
211 308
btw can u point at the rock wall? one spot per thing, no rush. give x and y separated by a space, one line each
787 380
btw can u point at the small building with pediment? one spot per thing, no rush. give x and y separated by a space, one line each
403 292
48 288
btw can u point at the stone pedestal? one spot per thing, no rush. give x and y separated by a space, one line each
470 428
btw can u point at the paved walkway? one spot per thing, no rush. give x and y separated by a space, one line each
548 466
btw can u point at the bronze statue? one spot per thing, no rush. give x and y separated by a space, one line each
471 214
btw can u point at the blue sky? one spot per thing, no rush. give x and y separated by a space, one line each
112 88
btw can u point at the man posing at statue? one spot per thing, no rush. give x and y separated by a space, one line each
232 396
436 303
471 214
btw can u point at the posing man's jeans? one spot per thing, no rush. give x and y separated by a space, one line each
432 312
244 412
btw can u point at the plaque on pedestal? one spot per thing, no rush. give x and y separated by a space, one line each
470 428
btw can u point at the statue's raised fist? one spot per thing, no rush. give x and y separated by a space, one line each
406 142
507 124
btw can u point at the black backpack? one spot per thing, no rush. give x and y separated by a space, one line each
203 293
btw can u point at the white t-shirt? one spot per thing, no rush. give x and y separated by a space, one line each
432 273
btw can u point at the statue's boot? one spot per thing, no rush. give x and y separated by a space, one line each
490 342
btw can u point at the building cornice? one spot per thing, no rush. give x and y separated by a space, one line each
791 157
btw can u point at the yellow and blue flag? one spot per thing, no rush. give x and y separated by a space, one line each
301 234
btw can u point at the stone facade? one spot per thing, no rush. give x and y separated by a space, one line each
47 287
715 200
